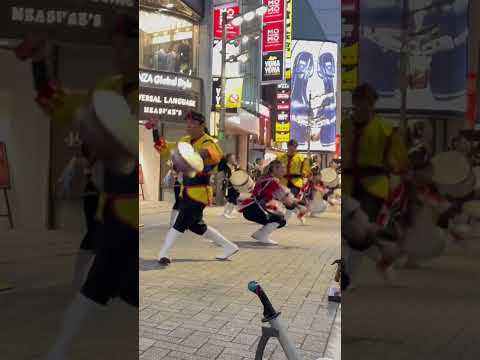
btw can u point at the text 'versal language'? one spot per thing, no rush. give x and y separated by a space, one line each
171 100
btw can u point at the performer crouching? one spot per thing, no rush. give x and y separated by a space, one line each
261 206
196 192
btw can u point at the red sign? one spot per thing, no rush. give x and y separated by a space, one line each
283 106
232 31
275 12
471 114
4 170
350 7
274 37
338 146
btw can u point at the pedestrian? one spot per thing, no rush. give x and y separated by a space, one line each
228 166
261 207
174 178
114 272
93 171
297 169
196 192
373 151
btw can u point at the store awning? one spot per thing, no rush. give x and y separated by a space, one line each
242 123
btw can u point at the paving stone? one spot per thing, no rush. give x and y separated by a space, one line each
203 308
210 351
144 343
195 341
154 354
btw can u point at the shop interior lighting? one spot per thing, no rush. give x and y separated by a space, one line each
237 21
249 16
243 57
170 5
262 10
157 22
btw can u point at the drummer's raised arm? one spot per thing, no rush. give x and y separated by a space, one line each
51 97
164 147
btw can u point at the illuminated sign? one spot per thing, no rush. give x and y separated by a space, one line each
273 41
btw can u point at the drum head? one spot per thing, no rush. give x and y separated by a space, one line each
239 178
450 168
113 113
191 158
329 177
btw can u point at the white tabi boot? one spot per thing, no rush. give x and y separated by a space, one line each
170 239
229 248
79 311
263 235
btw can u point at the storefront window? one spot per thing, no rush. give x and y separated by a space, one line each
167 43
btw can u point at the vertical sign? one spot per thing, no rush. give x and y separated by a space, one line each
282 123
4 170
288 39
350 44
471 113
273 41
233 48
232 31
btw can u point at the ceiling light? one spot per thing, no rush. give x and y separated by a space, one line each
261 10
237 21
249 16
243 58
170 6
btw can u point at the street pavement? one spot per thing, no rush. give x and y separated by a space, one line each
200 309
431 312
38 265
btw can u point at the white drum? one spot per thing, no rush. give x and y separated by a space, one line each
423 243
241 181
330 177
107 124
186 160
453 174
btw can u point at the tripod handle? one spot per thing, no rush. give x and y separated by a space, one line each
269 312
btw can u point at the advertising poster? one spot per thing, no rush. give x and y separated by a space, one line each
282 121
233 32
233 93
437 56
288 39
273 41
314 73
272 66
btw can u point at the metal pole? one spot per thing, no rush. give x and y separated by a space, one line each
221 133
403 70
